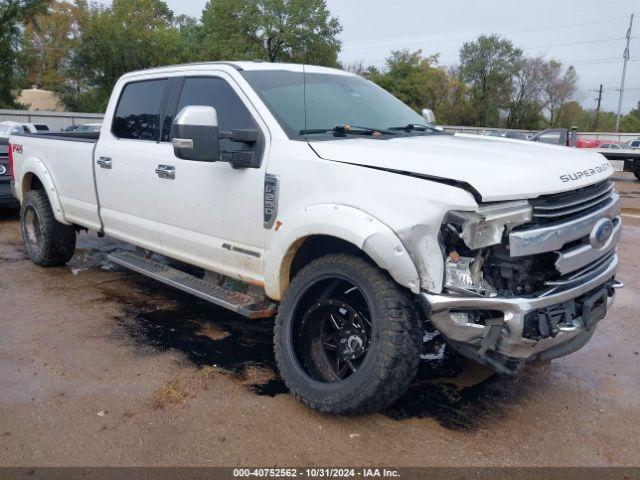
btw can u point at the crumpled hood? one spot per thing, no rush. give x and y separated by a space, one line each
498 169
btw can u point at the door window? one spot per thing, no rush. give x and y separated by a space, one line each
138 113
217 93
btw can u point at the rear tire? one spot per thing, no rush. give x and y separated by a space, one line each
636 170
347 337
48 242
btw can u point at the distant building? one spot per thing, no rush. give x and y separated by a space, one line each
36 99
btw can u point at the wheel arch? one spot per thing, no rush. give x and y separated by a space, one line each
36 176
325 229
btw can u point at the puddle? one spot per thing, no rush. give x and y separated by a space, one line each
9 214
208 336
91 252
454 407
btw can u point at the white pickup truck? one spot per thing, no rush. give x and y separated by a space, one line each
312 195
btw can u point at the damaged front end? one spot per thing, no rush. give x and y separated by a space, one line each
526 281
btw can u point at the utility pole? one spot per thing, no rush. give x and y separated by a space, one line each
624 73
598 108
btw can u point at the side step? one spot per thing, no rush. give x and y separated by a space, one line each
246 304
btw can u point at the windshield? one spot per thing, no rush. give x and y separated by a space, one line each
332 100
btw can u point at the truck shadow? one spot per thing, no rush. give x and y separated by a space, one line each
9 214
457 395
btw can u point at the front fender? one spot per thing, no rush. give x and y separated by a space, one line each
346 223
35 166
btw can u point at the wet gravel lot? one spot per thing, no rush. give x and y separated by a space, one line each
99 366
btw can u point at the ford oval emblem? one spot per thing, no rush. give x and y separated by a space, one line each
601 233
3 170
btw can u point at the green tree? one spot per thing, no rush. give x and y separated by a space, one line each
558 87
114 40
488 66
630 123
47 41
271 30
420 83
414 79
13 14
524 109
572 114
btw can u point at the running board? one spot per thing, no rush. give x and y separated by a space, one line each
246 304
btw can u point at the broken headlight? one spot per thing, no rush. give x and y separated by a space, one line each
465 236
486 226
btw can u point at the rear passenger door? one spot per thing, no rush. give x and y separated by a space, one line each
126 159
210 214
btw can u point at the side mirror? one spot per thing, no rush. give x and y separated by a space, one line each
428 115
195 134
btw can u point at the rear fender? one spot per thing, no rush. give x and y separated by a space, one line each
33 166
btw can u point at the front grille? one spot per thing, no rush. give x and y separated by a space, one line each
588 271
561 206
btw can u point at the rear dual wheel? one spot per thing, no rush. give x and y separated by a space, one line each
347 337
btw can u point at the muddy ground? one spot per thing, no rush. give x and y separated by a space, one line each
99 366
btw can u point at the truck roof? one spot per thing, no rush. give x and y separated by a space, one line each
241 66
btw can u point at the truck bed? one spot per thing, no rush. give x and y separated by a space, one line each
89 137
67 158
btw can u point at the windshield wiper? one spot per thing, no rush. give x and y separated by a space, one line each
343 130
415 126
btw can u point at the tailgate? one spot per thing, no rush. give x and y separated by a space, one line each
4 159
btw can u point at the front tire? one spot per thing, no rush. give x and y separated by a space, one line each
347 337
48 242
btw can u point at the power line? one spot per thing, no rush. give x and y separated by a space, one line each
586 42
457 39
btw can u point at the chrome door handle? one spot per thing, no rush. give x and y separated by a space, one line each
167 172
104 162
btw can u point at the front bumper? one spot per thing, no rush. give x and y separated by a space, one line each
500 342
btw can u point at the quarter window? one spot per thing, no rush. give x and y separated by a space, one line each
139 109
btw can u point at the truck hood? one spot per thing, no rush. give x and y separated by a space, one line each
495 169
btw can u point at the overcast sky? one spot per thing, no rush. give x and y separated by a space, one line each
588 34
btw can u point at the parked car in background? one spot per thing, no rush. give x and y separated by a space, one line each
635 144
611 146
9 127
85 127
507 134
89 127
6 197
583 142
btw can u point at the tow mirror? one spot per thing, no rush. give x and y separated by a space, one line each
428 115
195 134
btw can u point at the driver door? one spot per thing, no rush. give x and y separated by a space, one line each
211 214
